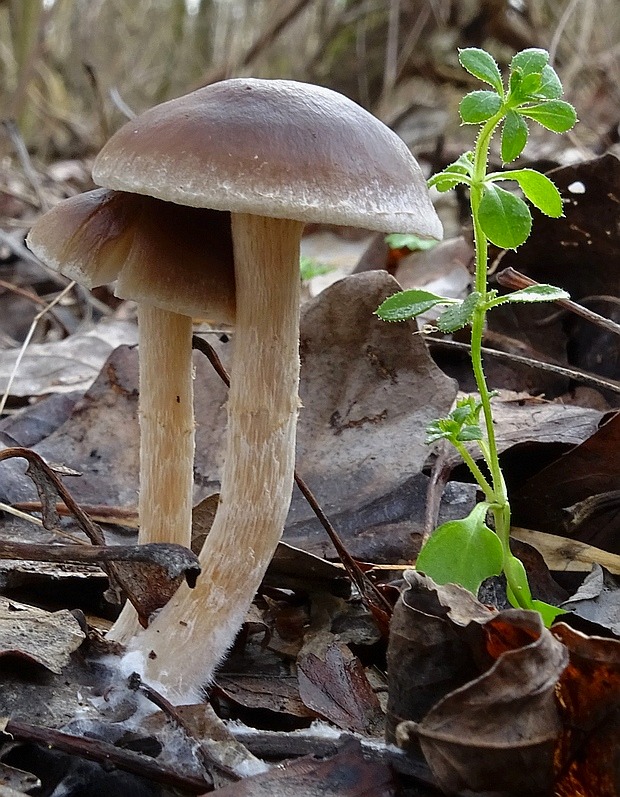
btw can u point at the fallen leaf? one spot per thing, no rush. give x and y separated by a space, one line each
498 732
598 600
347 774
333 684
428 656
592 468
41 637
66 365
588 755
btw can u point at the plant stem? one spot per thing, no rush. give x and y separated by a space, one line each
499 497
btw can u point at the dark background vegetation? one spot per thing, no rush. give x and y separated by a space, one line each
71 70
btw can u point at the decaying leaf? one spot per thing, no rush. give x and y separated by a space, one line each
332 683
598 599
427 655
590 469
67 365
368 391
588 756
498 732
347 774
41 637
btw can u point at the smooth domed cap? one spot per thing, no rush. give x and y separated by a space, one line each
273 148
172 257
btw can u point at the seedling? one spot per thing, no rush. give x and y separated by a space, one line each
467 551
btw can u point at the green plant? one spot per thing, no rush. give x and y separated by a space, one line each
309 268
467 551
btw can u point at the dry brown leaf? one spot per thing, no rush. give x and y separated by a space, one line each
498 732
66 365
347 774
42 637
333 684
588 755
428 655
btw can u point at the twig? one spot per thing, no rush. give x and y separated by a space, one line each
27 340
105 753
24 158
209 762
511 278
571 373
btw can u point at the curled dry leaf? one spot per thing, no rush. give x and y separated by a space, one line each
498 732
428 653
588 755
45 638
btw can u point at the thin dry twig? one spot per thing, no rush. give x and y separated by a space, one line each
27 340
511 278
572 373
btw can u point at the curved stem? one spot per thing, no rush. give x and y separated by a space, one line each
186 641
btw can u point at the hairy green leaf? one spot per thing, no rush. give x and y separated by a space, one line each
469 433
464 552
408 304
532 294
539 190
478 106
458 315
530 61
556 115
447 180
505 218
514 137
481 65
551 87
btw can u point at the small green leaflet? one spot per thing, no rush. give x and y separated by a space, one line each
551 87
535 293
514 136
408 304
447 180
517 588
478 106
530 61
505 218
556 115
408 240
464 552
481 65
537 188
458 315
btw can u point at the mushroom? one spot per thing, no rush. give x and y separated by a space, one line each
276 154
176 262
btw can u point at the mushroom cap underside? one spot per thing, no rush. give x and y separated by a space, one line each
274 148
169 256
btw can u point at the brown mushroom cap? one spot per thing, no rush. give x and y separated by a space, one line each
273 148
172 257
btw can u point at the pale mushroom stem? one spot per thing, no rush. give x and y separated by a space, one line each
186 641
166 438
